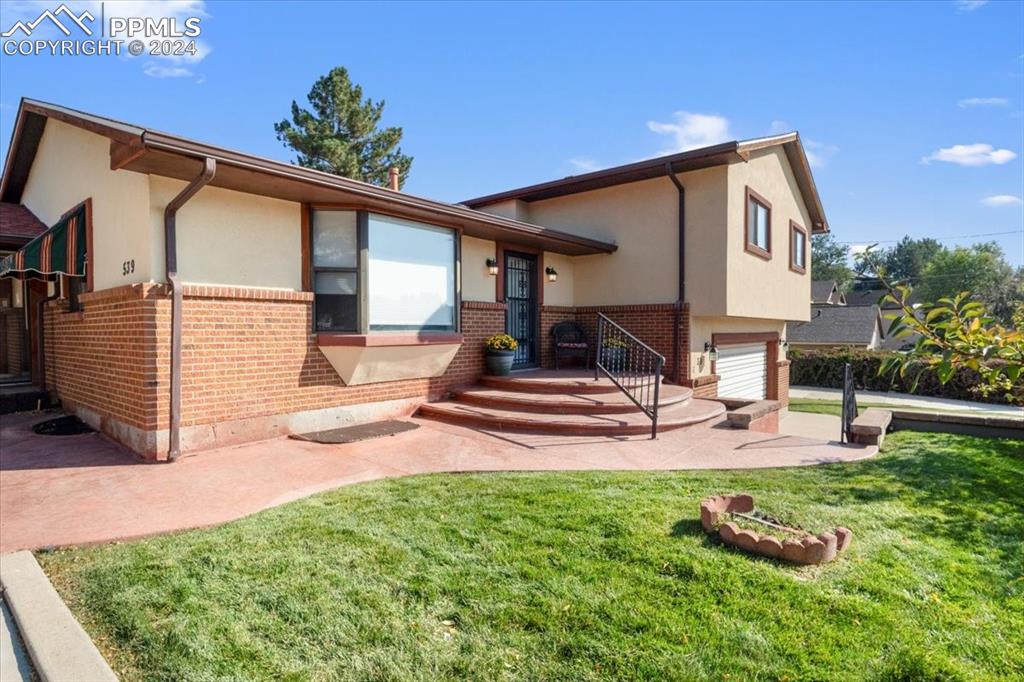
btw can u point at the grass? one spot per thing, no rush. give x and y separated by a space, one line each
834 407
583 576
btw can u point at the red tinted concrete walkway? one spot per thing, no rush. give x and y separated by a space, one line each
64 490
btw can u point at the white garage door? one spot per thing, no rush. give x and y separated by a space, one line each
742 371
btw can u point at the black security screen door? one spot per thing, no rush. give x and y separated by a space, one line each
521 306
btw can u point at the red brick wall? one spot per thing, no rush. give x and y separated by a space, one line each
783 382
654 324
105 357
245 353
14 352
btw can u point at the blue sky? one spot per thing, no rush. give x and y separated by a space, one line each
914 112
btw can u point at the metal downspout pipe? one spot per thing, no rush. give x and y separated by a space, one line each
679 359
171 262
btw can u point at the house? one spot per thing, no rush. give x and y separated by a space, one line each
195 296
826 292
837 326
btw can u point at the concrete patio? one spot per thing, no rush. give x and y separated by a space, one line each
67 490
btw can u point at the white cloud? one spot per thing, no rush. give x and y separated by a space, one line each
969 5
584 164
1002 200
817 152
983 102
155 70
971 155
692 131
856 249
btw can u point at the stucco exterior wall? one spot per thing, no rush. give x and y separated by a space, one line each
477 283
561 292
641 219
707 250
229 238
758 287
702 328
72 165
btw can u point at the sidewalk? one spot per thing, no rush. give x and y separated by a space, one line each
913 402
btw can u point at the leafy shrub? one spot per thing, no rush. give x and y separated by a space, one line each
824 368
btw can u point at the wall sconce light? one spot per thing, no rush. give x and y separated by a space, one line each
712 351
492 266
552 274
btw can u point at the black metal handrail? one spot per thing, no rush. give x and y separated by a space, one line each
849 412
631 365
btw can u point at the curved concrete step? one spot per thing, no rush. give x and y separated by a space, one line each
567 403
548 381
635 423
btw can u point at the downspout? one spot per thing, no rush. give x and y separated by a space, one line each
678 371
171 262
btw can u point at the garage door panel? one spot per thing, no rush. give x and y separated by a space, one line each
742 371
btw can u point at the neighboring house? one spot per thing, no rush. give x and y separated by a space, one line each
835 326
18 226
224 297
826 292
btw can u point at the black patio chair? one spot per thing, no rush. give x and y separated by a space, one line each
570 341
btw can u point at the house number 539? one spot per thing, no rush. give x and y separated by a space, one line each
128 267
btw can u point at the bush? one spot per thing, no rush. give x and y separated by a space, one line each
824 368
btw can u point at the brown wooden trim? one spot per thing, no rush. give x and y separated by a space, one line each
307 248
388 339
89 256
739 338
749 246
123 154
793 229
499 251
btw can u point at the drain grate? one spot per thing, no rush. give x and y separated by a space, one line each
62 426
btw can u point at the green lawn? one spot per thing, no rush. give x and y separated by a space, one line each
583 576
834 407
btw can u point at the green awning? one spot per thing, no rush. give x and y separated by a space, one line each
58 251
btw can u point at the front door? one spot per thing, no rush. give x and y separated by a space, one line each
521 311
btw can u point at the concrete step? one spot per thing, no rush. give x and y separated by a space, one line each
567 403
550 381
675 416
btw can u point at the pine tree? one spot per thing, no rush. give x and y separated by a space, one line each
341 136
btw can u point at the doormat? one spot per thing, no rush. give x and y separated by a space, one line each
353 434
62 426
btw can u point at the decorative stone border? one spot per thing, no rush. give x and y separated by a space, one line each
813 549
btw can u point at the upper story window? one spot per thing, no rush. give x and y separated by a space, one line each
797 248
758 225
377 273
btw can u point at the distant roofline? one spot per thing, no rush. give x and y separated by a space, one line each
715 155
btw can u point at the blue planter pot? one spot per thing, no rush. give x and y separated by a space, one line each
499 362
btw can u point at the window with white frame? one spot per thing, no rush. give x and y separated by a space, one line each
379 273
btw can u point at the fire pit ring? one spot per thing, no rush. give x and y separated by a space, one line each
809 550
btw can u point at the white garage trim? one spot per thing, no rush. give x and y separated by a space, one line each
743 371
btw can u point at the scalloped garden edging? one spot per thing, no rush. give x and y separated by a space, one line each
812 549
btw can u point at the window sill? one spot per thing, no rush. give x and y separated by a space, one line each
758 251
387 339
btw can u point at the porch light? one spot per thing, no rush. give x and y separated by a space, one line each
552 274
492 266
712 351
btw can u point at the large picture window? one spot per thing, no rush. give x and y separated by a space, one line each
758 225
378 273
411 276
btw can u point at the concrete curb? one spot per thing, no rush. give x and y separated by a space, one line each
60 649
